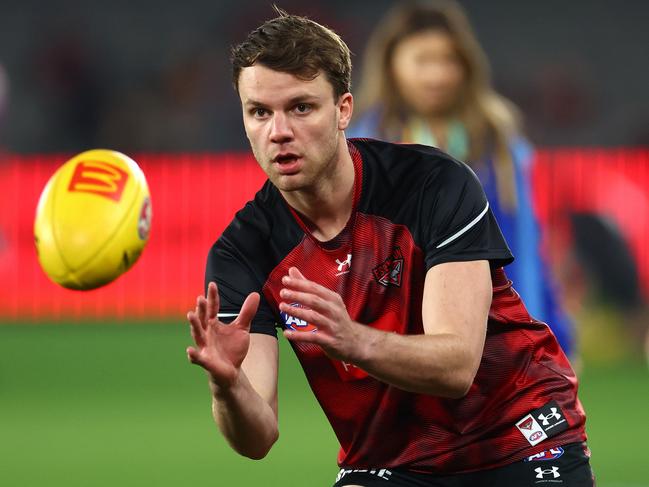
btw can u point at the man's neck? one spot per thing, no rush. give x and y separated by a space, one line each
327 207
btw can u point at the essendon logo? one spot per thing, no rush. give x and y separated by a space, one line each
526 425
99 177
389 272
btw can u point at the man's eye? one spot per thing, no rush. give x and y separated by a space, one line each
302 107
259 112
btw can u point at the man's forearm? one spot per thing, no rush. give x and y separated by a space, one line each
436 364
246 420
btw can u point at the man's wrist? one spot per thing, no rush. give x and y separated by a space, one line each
223 389
365 341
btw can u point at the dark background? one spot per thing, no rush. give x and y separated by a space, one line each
154 75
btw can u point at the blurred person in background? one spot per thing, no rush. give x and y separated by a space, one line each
426 81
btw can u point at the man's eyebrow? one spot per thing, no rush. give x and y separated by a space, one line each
303 99
291 101
252 103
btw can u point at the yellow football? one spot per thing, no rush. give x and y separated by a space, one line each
93 219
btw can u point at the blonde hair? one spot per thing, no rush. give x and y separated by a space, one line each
490 119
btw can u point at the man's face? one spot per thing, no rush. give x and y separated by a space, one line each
294 126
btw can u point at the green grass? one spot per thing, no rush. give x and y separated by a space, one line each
118 405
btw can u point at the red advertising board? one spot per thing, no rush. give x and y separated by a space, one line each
195 196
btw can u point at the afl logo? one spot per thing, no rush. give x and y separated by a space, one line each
296 324
536 436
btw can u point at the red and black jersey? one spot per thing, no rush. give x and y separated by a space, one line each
414 208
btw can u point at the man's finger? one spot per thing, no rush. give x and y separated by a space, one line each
304 285
308 300
248 311
295 273
201 310
304 336
194 356
212 301
197 329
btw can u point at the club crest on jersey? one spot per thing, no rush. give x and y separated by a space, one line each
296 324
388 273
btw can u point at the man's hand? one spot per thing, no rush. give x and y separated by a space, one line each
220 348
337 334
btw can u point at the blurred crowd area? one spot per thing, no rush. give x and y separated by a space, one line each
154 75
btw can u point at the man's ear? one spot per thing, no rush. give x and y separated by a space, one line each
345 106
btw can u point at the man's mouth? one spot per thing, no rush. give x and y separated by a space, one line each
287 163
285 158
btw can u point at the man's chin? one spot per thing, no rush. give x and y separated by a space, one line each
289 183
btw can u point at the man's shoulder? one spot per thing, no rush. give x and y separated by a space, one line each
257 215
414 159
263 224
402 170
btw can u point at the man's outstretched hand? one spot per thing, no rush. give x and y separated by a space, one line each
220 347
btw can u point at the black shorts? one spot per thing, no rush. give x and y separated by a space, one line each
566 466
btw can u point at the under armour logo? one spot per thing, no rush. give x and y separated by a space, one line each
347 366
541 473
347 263
553 414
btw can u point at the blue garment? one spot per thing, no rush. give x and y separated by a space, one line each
528 272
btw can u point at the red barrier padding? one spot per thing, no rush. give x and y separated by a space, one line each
195 196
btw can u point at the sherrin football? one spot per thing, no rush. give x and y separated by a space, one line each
93 219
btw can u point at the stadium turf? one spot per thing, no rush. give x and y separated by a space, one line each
118 404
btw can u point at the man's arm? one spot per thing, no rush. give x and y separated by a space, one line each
246 413
442 362
242 369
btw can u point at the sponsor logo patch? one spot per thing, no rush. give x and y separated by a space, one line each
547 473
544 422
531 430
297 324
100 178
345 265
551 454
382 473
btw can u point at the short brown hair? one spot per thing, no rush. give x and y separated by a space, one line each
298 46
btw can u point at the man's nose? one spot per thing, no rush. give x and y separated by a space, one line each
280 130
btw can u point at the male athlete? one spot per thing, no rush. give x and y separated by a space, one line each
383 265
